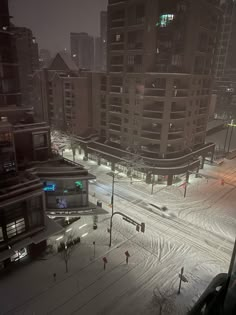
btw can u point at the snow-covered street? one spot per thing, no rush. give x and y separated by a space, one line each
196 232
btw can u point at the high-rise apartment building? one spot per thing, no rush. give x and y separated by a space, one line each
44 58
33 181
97 54
82 50
62 96
28 60
103 35
225 84
9 88
156 96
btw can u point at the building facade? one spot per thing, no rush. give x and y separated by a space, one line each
157 91
27 58
82 50
62 96
9 83
97 54
44 58
103 35
225 81
27 164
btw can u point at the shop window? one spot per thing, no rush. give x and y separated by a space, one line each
16 227
19 254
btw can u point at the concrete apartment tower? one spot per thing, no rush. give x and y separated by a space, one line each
103 35
82 50
161 57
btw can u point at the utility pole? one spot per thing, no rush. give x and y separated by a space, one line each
230 138
226 137
153 180
112 205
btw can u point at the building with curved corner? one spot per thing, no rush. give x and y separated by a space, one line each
157 91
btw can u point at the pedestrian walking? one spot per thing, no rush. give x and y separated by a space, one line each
222 182
54 277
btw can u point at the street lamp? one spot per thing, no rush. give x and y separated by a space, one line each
112 203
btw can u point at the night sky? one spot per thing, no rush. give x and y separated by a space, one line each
52 20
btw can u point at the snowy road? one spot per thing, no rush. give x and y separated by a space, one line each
198 234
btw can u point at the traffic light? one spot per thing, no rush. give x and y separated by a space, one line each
142 227
137 228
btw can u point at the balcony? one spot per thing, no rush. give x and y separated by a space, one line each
116 122
177 116
151 136
175 137
135 46
151 148
152 115
153 108
177 109
135 68
154 92
117 23
115 128
116 89
175 130
113 2
116 68
180 93
152 129
115 110
116 46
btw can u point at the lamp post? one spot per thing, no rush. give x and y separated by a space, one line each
112 204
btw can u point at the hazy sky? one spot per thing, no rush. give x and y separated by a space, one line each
52 20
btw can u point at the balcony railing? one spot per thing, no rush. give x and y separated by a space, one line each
152 115
178 109
115 128
152 129
154 109
115 122
175 136
175 130
151 136
117 24
154 92
116 68
177 116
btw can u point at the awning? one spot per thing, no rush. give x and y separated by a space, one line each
51 228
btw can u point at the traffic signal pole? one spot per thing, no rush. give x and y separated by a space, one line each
127 219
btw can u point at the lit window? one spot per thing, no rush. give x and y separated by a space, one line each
117 37
165 19
16 227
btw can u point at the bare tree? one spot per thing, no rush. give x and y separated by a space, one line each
164 299
133 162
67 248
